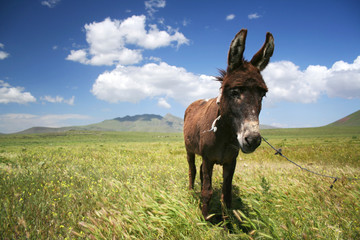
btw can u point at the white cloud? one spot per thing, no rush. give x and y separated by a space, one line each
70 101
9 94
135 83
58 99
78 56
14 122
50 3
344 80
134 32
152 5
163 103
286 82
108 41
253 16
230 17
3 54
154 59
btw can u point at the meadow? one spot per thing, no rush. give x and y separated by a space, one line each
118 185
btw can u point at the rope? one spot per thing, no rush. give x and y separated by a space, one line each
279 152
213 125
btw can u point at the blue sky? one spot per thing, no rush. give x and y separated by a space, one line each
68 62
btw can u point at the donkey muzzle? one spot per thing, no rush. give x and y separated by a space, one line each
249 137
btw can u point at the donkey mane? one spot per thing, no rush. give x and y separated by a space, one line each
246 79
222 73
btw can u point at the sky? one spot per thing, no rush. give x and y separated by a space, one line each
65 63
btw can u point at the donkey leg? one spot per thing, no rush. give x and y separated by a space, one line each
228 173
206 191
192 169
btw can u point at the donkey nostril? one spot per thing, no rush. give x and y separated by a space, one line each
253 140
250 140
247 140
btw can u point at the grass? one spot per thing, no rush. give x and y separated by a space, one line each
104 185
350 120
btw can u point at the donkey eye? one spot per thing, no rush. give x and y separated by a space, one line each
235 93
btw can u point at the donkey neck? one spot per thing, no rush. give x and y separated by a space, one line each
221 126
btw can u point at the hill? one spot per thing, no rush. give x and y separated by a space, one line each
137 123
45 130
348 121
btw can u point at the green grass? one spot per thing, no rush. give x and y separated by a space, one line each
104 185
350 120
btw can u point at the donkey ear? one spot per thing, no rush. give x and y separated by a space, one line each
262 57
237 47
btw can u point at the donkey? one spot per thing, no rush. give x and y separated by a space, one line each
218 128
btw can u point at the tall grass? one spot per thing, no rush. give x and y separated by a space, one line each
98 185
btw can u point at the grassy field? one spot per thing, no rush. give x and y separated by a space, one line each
107 185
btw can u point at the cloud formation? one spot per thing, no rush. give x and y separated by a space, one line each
9 94
151 6
3 54
230 17
58 99
136 83
286 82
253 16
10 123
50 3
108 41
163 103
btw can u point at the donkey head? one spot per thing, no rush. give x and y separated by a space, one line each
243 89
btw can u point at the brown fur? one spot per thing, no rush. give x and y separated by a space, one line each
242 89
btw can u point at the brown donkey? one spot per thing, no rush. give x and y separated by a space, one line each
218 128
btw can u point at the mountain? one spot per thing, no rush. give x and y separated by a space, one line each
143 117
137 123
140 123
350 120
45 130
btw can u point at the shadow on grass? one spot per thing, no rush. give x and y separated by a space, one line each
231 222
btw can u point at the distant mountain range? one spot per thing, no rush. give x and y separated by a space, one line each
137 123
157 123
